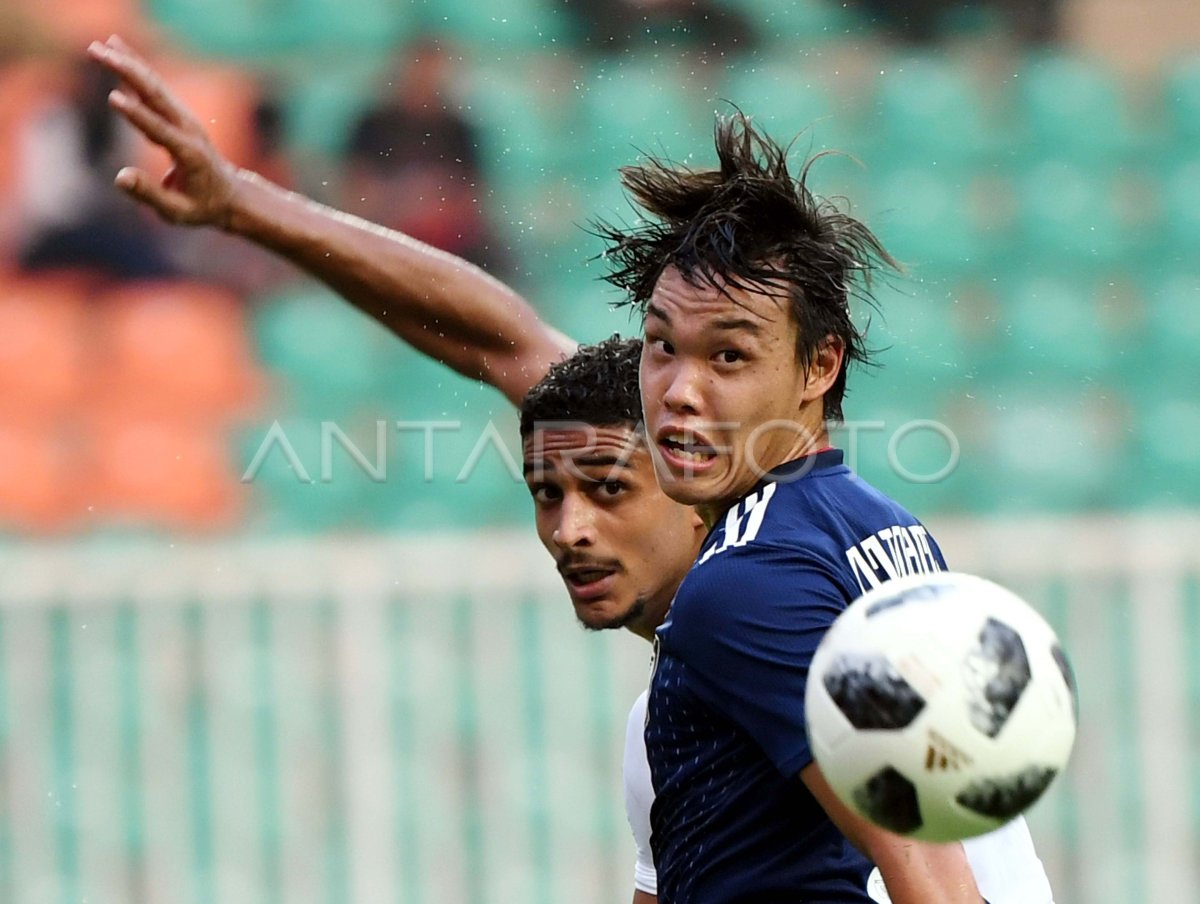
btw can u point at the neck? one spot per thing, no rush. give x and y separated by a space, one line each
808 443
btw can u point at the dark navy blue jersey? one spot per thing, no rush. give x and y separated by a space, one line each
725 731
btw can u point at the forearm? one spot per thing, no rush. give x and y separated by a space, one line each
443 306
922 873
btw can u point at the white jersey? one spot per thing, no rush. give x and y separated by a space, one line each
1006 866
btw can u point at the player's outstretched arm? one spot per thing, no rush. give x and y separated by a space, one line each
440 304
915 872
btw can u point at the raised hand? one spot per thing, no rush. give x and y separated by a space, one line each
199 186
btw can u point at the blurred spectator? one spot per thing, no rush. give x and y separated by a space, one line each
412 161
617 25
69 213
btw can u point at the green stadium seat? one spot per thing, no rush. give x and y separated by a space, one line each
784 100
1172 325
929 111
324 107
1051 326
1181 100
1167 432
1045 446
806 21
918 333
1180 198
1067 216
1070 108
325 353
624 119
354 25
924 218
505 25
225 27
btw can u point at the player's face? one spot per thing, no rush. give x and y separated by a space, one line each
724 392
620 544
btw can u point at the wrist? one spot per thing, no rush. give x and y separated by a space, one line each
236 214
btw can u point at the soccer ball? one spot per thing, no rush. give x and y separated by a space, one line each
940 706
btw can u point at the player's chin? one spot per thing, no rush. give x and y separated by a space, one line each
690 489
603 615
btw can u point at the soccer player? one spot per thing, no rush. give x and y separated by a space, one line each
621 545
744 280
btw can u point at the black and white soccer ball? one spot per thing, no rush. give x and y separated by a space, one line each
940 706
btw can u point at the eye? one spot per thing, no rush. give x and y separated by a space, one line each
545 493
730 356
661 345
611 488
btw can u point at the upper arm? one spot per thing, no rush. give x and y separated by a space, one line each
643 897
915 872
516 370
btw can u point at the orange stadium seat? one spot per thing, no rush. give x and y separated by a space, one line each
176 346
42 345
37 480
171 472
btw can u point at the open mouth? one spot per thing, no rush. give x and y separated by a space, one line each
591 576
686 450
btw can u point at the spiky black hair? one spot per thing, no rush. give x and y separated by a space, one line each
749 225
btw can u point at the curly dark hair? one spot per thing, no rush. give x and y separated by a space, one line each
597 385
749 225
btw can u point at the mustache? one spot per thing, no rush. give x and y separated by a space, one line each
585 563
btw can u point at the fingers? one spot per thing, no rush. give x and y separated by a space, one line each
150 123
171 206
117 57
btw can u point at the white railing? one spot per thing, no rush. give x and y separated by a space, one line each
418 719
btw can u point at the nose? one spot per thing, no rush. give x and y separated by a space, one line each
576 525
682 392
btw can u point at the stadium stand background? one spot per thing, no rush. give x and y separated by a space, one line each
1041 183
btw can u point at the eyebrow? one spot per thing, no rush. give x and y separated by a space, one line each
588 461
729 323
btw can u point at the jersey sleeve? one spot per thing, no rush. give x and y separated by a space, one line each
639 795
754 624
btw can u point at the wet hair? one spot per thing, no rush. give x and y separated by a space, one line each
750 225
598 385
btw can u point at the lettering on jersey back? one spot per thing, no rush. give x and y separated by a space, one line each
742 522
893 552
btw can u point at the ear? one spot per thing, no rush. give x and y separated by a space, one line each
824 367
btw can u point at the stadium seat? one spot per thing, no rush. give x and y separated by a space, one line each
355 26
625 120
924 218
1047 448
1172 325
785 100
502 24
43 329
226 27
917 331
1179 195
1068 216
807 21
38 489
323 352
928 111
176 346
1071 108
1051 326
324 106
1181 101
1167 440
165 471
